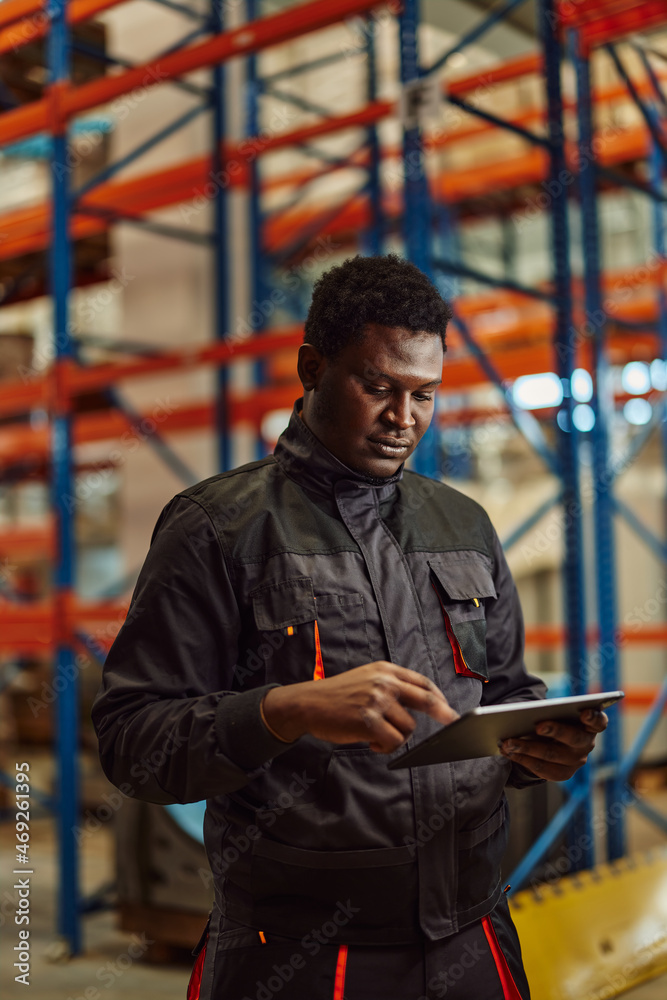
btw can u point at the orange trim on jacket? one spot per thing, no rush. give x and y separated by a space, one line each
319 665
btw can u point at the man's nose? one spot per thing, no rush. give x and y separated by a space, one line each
399 412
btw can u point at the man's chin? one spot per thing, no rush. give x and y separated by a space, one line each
378 468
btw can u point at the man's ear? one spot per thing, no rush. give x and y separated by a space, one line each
310 366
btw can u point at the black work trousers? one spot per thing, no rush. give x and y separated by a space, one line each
481 962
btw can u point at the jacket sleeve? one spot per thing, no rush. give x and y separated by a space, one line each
508 678
170 728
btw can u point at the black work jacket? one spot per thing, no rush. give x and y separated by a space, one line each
265 575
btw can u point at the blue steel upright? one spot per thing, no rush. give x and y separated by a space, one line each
65 681
416 208
657 168
220 244
603 406
375 231
261 303
565 346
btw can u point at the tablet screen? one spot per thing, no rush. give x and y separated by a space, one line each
477 733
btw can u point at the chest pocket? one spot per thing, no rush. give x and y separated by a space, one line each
463 582
302 636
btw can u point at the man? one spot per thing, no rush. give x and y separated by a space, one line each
296 621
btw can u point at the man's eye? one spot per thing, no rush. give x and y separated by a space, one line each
376 390
423 397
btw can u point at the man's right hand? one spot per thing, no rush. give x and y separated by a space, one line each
369 703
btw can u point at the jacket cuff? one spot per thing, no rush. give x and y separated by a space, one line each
242 736
521 777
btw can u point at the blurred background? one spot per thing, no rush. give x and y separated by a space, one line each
174 176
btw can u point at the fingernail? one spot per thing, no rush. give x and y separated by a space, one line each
510 748
546 730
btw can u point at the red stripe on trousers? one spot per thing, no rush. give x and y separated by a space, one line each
339 981
194 986
510 990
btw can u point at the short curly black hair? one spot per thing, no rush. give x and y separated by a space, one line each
386 290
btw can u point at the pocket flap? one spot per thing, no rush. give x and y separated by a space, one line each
464 575
288 602
471 838
378 857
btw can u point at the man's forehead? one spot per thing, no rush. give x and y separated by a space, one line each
396 350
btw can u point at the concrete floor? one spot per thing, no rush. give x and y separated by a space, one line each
112 966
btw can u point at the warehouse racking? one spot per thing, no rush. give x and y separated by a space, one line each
544 316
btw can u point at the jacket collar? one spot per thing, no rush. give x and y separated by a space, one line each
304 459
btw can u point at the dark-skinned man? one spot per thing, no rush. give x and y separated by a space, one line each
296 621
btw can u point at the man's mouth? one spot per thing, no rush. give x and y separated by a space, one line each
391 447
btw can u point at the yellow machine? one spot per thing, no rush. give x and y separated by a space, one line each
598 933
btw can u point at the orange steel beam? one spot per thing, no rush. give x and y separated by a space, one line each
14 10
554 635
504 323
17 396
27 230
80 380
111 425
32 21
530 167
509 70
614 20
438 140
21 443
63 102
34 627
27 541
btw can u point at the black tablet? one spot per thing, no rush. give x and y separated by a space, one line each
477 733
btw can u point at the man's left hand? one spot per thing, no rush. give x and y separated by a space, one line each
559 748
